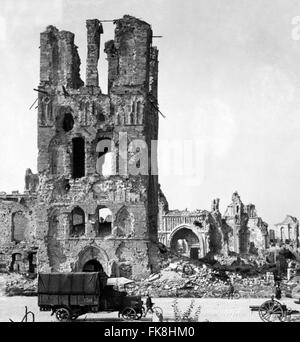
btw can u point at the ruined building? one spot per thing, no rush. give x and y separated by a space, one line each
286 232
194 234
250 232
203 233
18 245
89 212
91 206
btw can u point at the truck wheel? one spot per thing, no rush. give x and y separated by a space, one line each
140 313
129 314
63 314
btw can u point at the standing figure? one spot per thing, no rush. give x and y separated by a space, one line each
231 290
278 291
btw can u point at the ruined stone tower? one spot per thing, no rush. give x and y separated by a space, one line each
92 213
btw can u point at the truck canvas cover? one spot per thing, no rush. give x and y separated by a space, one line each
71 283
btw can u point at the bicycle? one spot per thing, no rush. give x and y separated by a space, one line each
155 309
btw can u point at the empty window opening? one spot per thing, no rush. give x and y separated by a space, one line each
32 262
105 157
68 122
103 224
16 263
78 170
66 184
198 224
100 117
77 222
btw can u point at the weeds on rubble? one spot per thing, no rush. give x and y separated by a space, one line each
190 315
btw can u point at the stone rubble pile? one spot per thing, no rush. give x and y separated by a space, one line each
20 285
181 277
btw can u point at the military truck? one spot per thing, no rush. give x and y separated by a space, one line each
70 295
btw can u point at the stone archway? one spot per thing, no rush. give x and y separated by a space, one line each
92 258
187 241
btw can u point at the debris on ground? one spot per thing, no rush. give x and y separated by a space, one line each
179 276
183 277
20 285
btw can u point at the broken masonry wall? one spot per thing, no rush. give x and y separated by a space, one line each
250 233
59 59
129 59
55 144
72 112
31 182
288 231
258 238
234 232
17 232
133 39
94 30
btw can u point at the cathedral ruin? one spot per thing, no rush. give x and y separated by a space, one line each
87 214
204 233
84 211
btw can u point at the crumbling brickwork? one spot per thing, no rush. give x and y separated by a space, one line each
286 232
18 246
85 210
250 232
202 233
72 120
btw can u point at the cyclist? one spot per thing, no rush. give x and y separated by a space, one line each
149 304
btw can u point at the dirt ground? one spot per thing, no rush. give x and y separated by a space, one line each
212 309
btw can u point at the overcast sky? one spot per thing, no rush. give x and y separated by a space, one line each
229 77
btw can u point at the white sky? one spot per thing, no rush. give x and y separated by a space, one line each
229 76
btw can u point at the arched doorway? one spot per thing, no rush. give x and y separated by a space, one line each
89 260
92 266
185 242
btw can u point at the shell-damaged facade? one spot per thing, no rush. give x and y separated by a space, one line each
95 203
91 212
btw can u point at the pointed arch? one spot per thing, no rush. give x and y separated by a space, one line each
90 253
195 243
104 221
